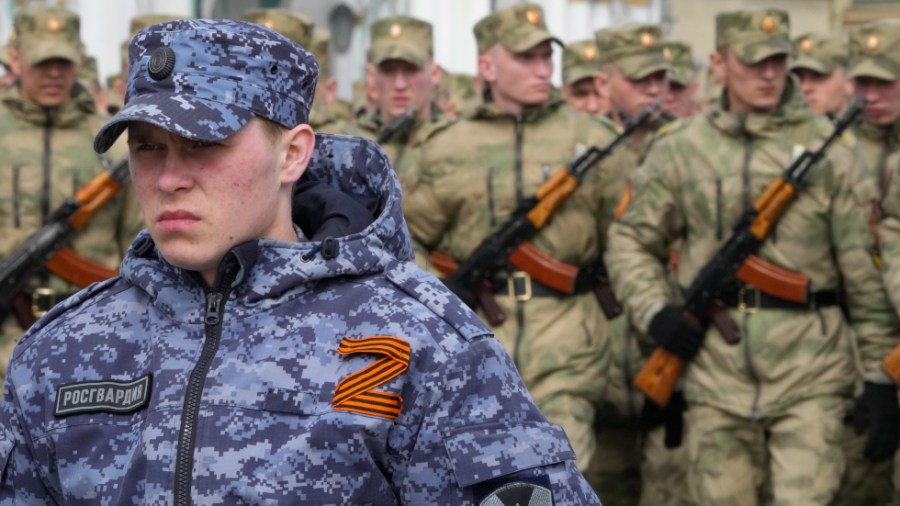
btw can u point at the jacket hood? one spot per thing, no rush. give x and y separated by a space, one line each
347 205
792 110
486 108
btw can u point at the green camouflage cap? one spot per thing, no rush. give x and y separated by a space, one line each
138 23
634 48
682 69
819 52
292 25
754 35
321 40
875 50
400 38
517 28
580 60
47 32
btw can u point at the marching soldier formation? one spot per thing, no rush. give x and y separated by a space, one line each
782 179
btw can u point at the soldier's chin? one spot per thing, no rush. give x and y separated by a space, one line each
536 98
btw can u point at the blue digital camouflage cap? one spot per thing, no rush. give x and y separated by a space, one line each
205 79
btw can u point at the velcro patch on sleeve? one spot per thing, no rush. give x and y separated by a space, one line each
107 396
356 392
533 491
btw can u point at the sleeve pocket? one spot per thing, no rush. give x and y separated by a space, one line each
484 452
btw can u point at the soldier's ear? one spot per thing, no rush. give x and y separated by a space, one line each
436 73
717 64
15 60
300 143
487 69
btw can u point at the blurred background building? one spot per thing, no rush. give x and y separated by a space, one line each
105 23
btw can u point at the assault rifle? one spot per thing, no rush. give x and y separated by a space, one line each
470 280
395 125
661 371
46 247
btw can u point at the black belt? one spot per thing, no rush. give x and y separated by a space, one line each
751 299
523 287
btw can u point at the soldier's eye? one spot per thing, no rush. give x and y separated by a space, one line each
203 144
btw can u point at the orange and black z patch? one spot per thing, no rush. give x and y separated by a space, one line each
356 392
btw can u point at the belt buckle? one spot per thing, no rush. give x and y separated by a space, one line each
512 283
42 299
742 304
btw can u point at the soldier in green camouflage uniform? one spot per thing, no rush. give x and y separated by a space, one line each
770 409
681 100
402 73
874 69
632 75
475 172
580 63
820 63
328 110
47 125
456 93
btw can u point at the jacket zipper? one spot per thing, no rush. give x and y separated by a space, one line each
720 233
751 369
492 217
16 204
190 413
518 167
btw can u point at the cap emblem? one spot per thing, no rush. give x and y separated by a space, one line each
590 53
395 31
769 24
53 25
647 39
873 43
533 16
806 45
162 62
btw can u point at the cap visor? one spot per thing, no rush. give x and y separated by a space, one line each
810 64
578 73
868 68
534 38
186 116
411 55
640 66
37 51
755 53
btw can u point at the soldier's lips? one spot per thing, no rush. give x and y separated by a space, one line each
175 221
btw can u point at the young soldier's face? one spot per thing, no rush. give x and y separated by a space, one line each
680 99
825 93
584 96
752 86
882 99
47 83
521 78
632 95
201 199
398 85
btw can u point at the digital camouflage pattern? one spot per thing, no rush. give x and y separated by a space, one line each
29 193
558 343
400 38
820 53
293 25
47 32
518 28
754 35
267 431
206 55
682 68
580 60
635 49
691 187
875 50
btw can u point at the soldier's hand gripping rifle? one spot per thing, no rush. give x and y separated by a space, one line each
471 279
47 247
661 371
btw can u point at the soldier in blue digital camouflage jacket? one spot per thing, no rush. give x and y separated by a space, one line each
253 353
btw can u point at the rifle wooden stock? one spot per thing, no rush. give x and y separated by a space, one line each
660 373
891 364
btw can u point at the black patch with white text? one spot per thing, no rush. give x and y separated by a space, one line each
513 490
107 396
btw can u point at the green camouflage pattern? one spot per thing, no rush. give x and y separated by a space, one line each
467 189
664 472
754 35
580 60
400 38
47 32
615 471
319 46
404 148
73 164
875 50
295 26
635 49
682 68
863 482
738 461
820 53
691 188
517 28
878 146
459 89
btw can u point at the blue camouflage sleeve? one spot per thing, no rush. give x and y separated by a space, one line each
21 483
481 436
